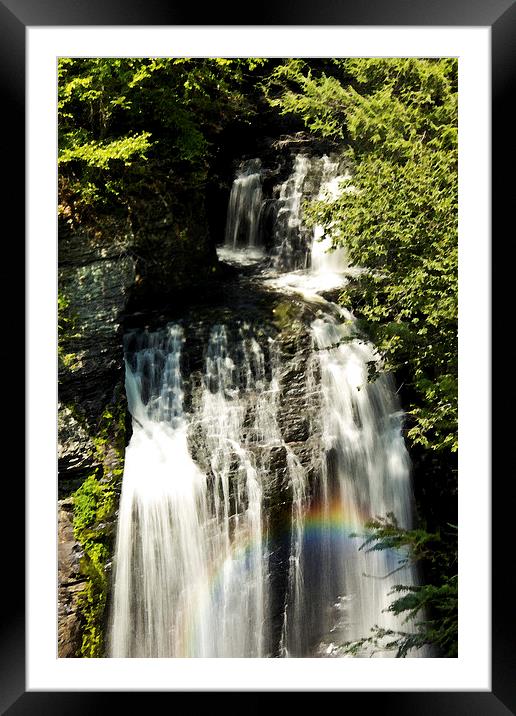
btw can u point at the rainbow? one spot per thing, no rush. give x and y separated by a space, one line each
334 518
321 522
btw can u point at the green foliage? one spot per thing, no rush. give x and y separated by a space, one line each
319 100
94 505
93 502
99 154
64 319
431 608
92 601
386 534
130 125
397 215
66 330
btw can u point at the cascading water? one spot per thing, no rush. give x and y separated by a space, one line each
192 558
238 553
231 541
295 245
365 473
291 247
324 259
160 595
245 206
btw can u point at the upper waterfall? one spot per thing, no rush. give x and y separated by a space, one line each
325 259
242 237
293 245
259 452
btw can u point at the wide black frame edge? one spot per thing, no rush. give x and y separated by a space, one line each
427 704
286 12
503 697
503 38
12 619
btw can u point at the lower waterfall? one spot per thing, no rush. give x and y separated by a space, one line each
365 473
237 537
160 596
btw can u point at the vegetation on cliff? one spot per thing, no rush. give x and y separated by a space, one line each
130 127
136 131
431 606
94 513
397 217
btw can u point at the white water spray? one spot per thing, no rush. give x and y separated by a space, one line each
245 203
197 560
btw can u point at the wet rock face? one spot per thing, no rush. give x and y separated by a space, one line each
295 409
96 284
121 267
298 414
75 451
294 412
71 583
299 397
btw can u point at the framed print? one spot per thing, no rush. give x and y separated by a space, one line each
220 189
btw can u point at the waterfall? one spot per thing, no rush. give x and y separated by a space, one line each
294 245
160 595
365 473
235 537
239 548
291 247
192 557
324 259
242 236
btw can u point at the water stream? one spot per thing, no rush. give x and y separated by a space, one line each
246 544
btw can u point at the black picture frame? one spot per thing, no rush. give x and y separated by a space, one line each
15 17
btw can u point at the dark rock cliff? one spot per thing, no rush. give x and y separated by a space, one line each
155 262
107 273
286 323
95 281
